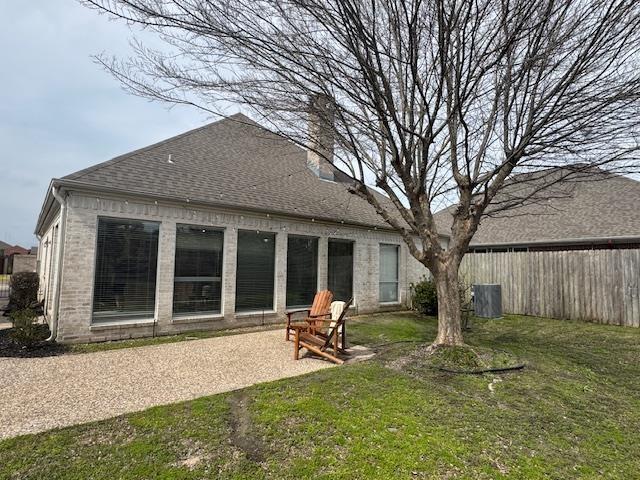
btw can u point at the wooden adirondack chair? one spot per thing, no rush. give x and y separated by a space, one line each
319 341
320 309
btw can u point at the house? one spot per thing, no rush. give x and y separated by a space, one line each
223 226
594 209
14 259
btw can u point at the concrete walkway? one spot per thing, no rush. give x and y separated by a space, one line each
38 394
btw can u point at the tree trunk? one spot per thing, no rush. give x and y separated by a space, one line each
449 307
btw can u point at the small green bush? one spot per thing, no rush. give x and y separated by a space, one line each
25 329
425 297
24 290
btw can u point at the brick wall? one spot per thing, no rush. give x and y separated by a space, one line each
79 261
24 263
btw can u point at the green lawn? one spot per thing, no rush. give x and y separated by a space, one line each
574 412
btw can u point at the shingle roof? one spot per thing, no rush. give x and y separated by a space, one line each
4 245
596 205
233 163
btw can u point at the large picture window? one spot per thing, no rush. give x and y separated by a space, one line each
388 273
255 271
302 270
340 269
197 287
126 262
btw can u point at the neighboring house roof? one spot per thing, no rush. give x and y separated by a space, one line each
594 206
4 245
15 250
231 163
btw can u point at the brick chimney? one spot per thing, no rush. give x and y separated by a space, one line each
321 136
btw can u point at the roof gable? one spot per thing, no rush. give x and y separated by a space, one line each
234 163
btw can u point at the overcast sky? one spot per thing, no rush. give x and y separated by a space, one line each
59 111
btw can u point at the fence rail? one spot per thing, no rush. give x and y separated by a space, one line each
600 286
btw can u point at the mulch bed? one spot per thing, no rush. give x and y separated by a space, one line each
9 348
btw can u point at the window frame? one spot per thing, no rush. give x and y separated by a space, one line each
124 319
397 281
190 315
317 286
353 262
275 275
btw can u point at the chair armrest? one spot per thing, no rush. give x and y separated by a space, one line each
300 310
299 326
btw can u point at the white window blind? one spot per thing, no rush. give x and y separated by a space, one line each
388 273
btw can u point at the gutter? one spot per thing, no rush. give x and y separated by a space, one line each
53 326
562 241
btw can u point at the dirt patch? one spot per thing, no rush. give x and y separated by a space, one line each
193 454
462 359
243 435
120 432
9 348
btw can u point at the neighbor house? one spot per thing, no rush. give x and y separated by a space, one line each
16 259
592 209
224 226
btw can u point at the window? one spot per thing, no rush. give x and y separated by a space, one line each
126 262
197 286
340 269
302 270
255 270
388 273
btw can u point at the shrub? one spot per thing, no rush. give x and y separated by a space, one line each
425 297
25 329
24 290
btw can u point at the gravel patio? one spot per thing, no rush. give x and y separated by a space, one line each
37 394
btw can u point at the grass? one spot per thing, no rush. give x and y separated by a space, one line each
574 412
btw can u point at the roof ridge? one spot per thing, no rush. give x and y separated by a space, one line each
80 173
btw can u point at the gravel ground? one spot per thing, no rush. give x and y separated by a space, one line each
38 394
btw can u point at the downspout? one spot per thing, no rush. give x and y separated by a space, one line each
53 326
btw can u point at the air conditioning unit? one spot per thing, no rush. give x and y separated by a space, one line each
487 300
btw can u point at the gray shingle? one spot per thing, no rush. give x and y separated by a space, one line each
597 205
233 163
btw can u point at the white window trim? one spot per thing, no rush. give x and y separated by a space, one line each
397 281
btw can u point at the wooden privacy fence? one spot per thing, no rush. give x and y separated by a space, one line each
600 286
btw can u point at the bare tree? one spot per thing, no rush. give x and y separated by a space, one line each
433 101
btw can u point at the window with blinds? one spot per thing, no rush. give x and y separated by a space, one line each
197 282
388 273
126 263
255 271
340 269
302 270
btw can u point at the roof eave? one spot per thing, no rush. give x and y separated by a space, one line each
562 241
69 184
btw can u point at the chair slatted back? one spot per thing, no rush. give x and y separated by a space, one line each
335 329
321 304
